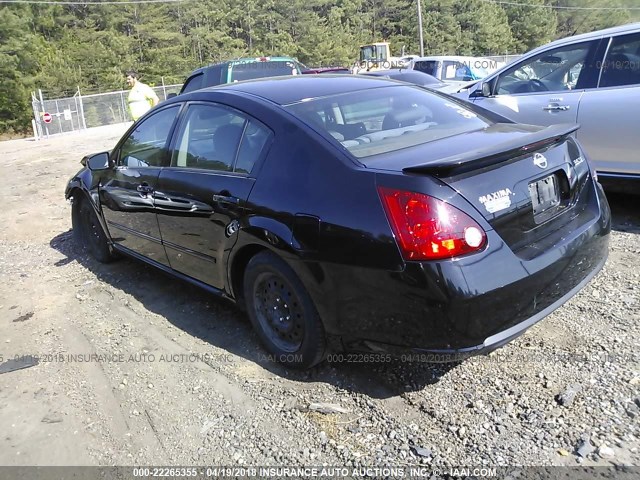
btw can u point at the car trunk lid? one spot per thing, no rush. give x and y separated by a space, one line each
526 183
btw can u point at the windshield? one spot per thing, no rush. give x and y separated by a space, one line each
479 72
386 119
368 53
250 70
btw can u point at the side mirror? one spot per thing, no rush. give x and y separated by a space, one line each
171 95
482 89
98 161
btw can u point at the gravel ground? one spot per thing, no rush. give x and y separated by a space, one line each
138 368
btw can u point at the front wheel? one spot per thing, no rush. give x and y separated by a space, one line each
282 312
89 233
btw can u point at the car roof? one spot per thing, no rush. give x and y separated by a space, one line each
407 74
326 70
290 89
629 27
459 58
261 59
241 60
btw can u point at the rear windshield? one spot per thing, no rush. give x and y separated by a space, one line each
250 70
386 119
417 77
426 66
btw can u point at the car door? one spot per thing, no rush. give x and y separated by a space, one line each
201 197
126 191
609 116
546 88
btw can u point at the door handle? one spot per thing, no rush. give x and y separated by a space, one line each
554 107
144 188
226 199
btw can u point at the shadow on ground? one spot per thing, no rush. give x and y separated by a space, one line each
625 210
220 323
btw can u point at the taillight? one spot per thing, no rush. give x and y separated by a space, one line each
427 228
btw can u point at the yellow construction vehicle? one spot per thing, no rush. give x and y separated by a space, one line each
377 56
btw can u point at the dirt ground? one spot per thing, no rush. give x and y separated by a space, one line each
125 366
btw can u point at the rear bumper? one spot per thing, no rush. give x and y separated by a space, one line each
490 343
474 304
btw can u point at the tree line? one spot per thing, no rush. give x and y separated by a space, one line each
58 48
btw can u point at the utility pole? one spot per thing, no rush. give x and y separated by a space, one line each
420 29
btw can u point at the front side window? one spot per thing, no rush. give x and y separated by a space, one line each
146 145
622 63
387 119
213 137
563 68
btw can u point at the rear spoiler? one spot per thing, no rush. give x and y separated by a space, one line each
495 154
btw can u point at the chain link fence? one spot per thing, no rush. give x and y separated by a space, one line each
64 115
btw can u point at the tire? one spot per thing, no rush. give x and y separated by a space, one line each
282 312
89 233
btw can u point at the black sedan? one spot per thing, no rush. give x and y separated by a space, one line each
350 213
415 77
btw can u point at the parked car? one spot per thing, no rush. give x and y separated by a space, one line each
351 213
455 69
591 79
308 71
415 77
241 69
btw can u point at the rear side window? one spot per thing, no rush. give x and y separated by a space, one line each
255 140
622 64
214 137
250 70
216 75
387 119
193 83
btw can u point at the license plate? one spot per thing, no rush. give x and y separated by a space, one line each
544 194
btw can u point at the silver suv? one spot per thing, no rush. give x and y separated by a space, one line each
591 79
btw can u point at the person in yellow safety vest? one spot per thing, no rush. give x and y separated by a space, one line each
141 96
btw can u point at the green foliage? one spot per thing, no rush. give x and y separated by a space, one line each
58 48
573 22
531 25
17 64
484 26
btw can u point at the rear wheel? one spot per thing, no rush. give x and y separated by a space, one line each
282 312
89 233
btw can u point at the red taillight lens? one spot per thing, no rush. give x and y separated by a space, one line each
429 229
